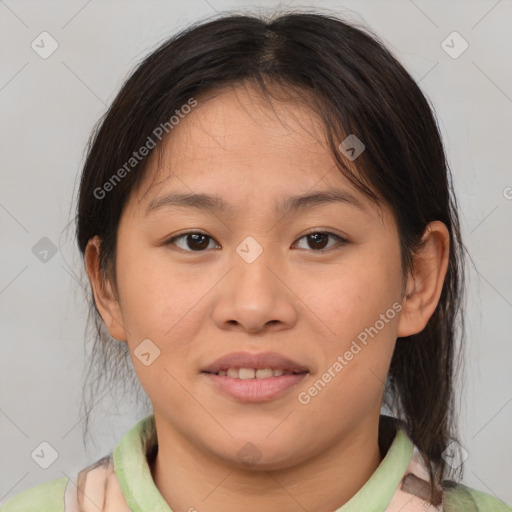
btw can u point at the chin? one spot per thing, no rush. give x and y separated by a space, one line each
256 453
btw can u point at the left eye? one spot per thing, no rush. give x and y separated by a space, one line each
198 242
317 239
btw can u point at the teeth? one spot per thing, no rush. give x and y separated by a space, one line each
264 373
246 373
252 373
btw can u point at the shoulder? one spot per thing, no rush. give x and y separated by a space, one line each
98 480
45 497
461 497
97 483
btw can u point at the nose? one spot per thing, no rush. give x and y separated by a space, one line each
255 296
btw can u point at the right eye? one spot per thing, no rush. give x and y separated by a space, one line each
192 241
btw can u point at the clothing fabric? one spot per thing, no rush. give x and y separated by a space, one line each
122 482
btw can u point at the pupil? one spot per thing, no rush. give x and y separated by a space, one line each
196 236
315 236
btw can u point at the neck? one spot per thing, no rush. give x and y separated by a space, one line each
190 479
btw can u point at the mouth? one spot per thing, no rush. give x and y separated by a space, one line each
254 377
253 373
250 365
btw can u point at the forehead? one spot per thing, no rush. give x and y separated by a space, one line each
239 132
238 145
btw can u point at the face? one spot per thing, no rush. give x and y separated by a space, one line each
318 285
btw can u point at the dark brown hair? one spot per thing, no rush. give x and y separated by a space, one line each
355 85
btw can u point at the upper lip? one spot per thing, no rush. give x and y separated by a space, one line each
271 360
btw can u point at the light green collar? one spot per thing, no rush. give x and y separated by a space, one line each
132 469
141 493
377 492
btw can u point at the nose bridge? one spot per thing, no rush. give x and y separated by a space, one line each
253 296
251 263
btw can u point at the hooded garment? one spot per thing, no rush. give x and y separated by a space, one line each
122 482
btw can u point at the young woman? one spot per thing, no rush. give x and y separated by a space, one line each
269 228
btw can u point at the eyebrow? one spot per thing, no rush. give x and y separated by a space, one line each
292 204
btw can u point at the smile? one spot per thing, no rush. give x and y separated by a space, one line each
250 385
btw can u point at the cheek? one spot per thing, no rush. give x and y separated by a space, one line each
355 303
350 296
157 303
156 295
163 302
357 307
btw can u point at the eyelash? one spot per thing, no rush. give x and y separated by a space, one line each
342 241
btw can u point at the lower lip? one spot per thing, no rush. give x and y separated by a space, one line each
255 390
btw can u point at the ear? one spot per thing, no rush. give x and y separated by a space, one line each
104 296
425 282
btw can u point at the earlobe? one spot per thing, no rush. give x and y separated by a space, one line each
104 296
425 282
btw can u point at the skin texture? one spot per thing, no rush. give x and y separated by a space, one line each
294 299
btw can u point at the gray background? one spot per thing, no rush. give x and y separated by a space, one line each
48 108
